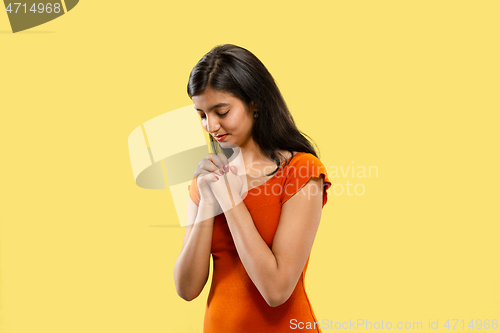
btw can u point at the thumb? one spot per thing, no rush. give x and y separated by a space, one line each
234 169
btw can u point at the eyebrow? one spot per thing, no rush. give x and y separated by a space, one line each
213 107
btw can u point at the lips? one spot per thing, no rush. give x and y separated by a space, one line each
221 137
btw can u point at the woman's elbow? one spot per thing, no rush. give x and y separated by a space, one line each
186 295
274 302
274 299
185 289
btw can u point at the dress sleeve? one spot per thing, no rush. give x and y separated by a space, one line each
299 171
194 193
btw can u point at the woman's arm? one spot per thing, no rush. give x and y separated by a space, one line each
276 271
193 264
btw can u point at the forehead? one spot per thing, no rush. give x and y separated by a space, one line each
210 99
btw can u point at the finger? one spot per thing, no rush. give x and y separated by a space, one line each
210 176
217 161
225 162
222 163
208 166
199 172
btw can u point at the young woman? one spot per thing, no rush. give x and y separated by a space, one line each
260 240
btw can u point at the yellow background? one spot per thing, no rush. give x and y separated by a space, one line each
409 87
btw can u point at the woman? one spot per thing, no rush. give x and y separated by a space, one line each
261 239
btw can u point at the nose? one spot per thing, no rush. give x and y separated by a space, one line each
212 124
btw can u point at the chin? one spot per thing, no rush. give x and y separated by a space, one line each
226 144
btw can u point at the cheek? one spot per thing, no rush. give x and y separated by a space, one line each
234 124
228 126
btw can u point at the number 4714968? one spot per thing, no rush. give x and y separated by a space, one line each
41 8
479 323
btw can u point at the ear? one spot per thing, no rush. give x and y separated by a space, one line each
253 108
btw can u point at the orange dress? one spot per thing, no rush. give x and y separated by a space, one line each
234 303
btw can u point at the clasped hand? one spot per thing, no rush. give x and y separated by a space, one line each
227 190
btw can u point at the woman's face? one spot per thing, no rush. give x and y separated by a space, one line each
222 113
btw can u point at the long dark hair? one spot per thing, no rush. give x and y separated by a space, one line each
233 69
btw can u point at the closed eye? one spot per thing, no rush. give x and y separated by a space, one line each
220 115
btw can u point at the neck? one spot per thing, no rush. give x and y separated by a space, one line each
252 153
